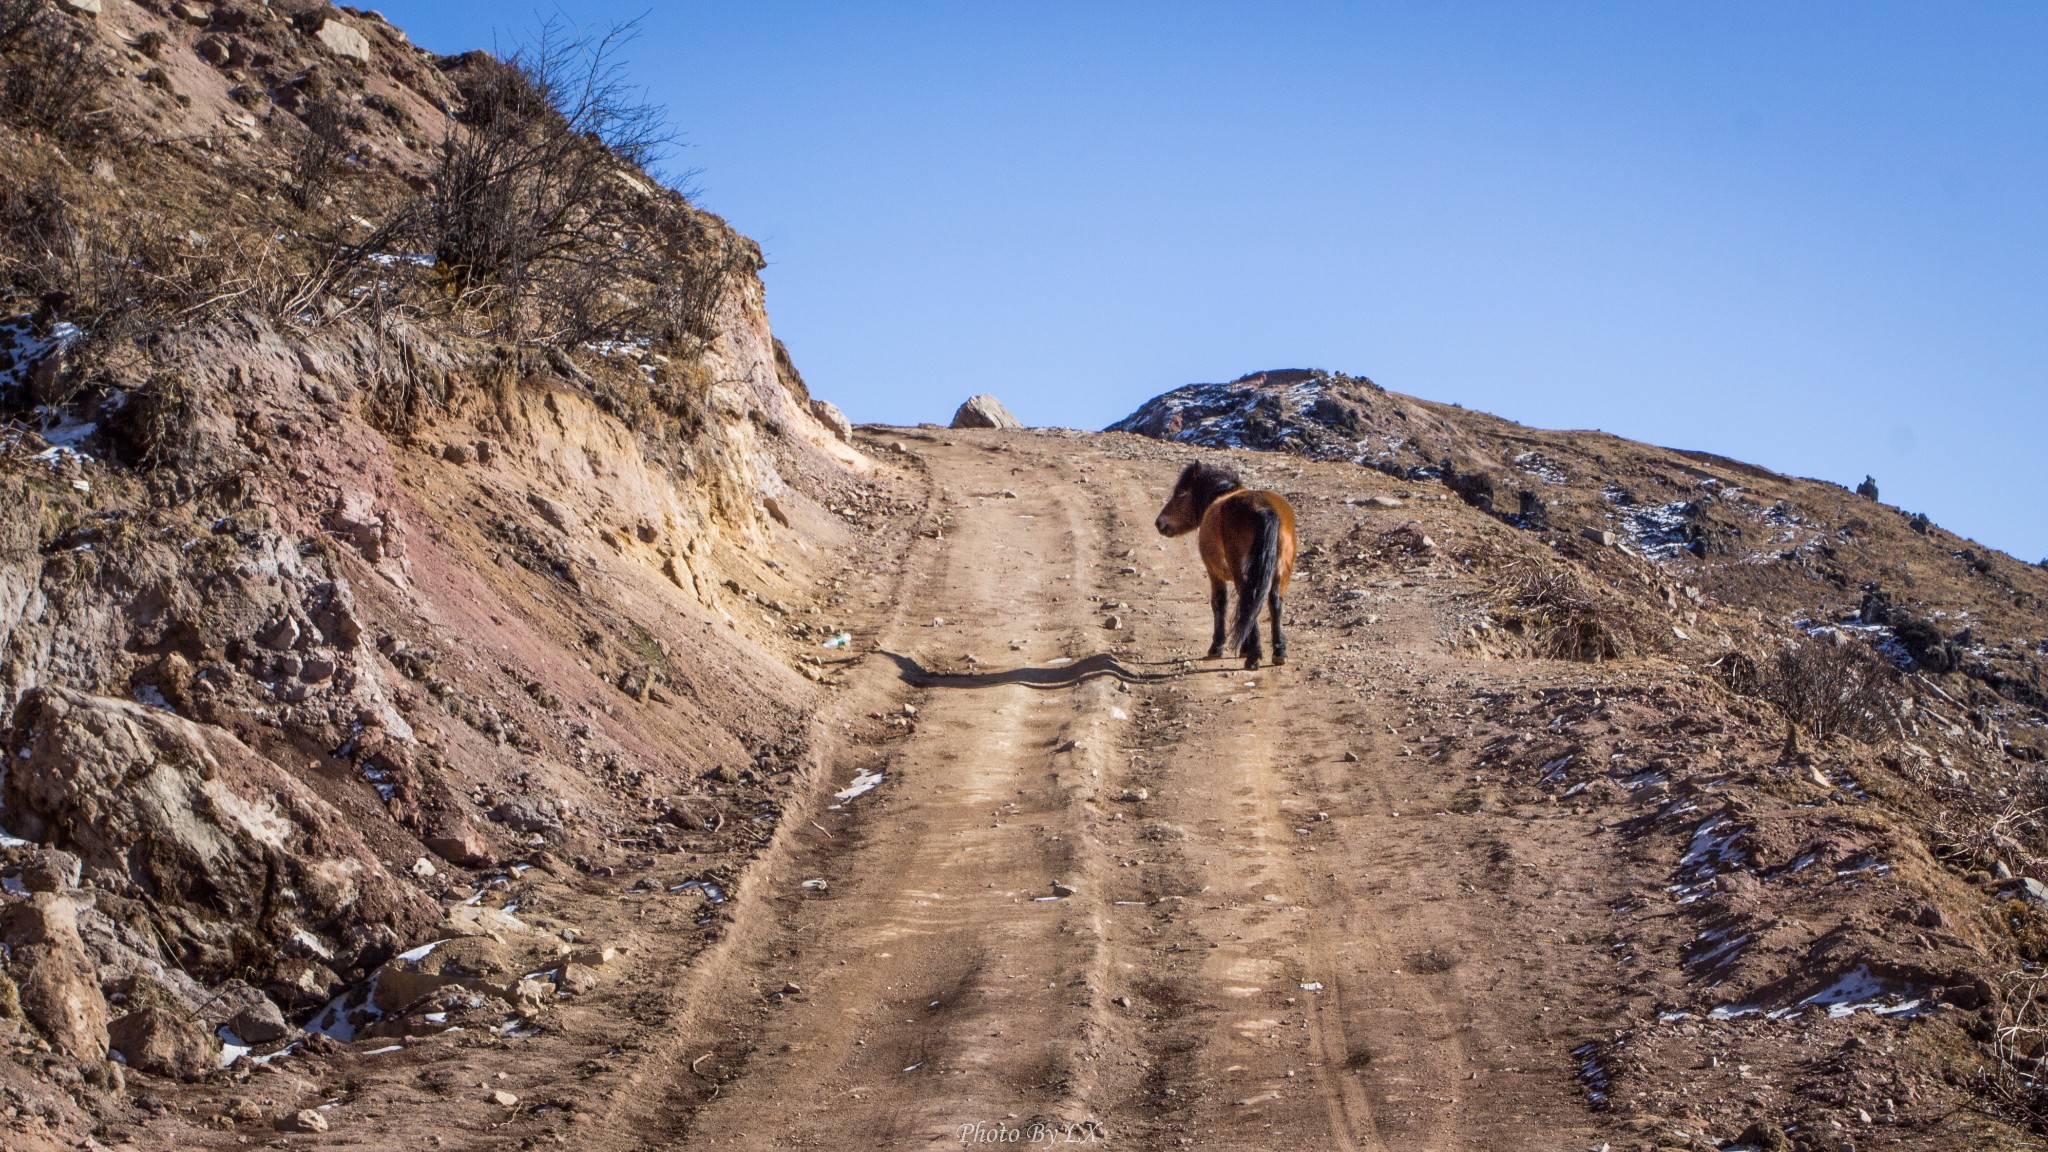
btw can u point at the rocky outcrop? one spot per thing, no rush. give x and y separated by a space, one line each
984 411
236 861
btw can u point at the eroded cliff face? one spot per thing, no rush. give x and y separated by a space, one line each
324 601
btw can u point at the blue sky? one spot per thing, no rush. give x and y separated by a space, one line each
1812 236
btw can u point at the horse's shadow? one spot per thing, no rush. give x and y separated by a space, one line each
1095 667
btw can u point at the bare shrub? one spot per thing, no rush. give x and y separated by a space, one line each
158 424
121 280
542 212
49 70
1823 689
2013 1081
319 154
1565 618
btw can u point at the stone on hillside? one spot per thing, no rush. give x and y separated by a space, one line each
259 1023
461 843
48 870
984 411
477 963
831 417
345 41
46 918
240 858
1867 489
82 7
554 512
61 997
164 1043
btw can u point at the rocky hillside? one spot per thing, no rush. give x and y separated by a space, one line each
403 503
1820 678
1804 555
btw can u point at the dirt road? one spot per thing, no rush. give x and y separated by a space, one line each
1105 895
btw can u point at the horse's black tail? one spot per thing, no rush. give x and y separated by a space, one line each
1255 583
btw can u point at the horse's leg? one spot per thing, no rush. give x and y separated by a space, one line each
1219 599
1253 651
1279 639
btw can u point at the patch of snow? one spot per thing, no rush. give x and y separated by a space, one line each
231 1046
863 783
415 955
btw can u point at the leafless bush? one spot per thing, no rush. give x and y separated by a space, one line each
1566 620
319 154
120 280
158 424
542 211
49 70
1823 689
2013 1081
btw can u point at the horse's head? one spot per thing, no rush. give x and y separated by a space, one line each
1199 486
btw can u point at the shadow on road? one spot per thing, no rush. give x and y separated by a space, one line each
1087 668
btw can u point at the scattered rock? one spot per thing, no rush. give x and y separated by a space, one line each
344 41
461 844
984 411
554 512
831 417
304 1120
1063 890
1113 622
164 1043
1867 489
1349 757
504 1099
2029 889
259 1022
576 979
1598 536
459 453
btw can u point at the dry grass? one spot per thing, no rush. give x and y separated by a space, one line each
1564 617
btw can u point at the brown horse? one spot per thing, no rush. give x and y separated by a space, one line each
1247 539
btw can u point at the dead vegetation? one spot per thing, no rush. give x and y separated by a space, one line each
1565 617
1823 689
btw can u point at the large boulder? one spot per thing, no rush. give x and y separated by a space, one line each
162 1042
344 41
235 860
984 411
831 417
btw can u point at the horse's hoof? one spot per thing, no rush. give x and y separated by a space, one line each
1251 663
1279 658
1213 654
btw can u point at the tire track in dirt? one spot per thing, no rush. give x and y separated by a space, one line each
1221 852
935 984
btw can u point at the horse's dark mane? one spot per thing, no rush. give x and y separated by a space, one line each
1206 484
